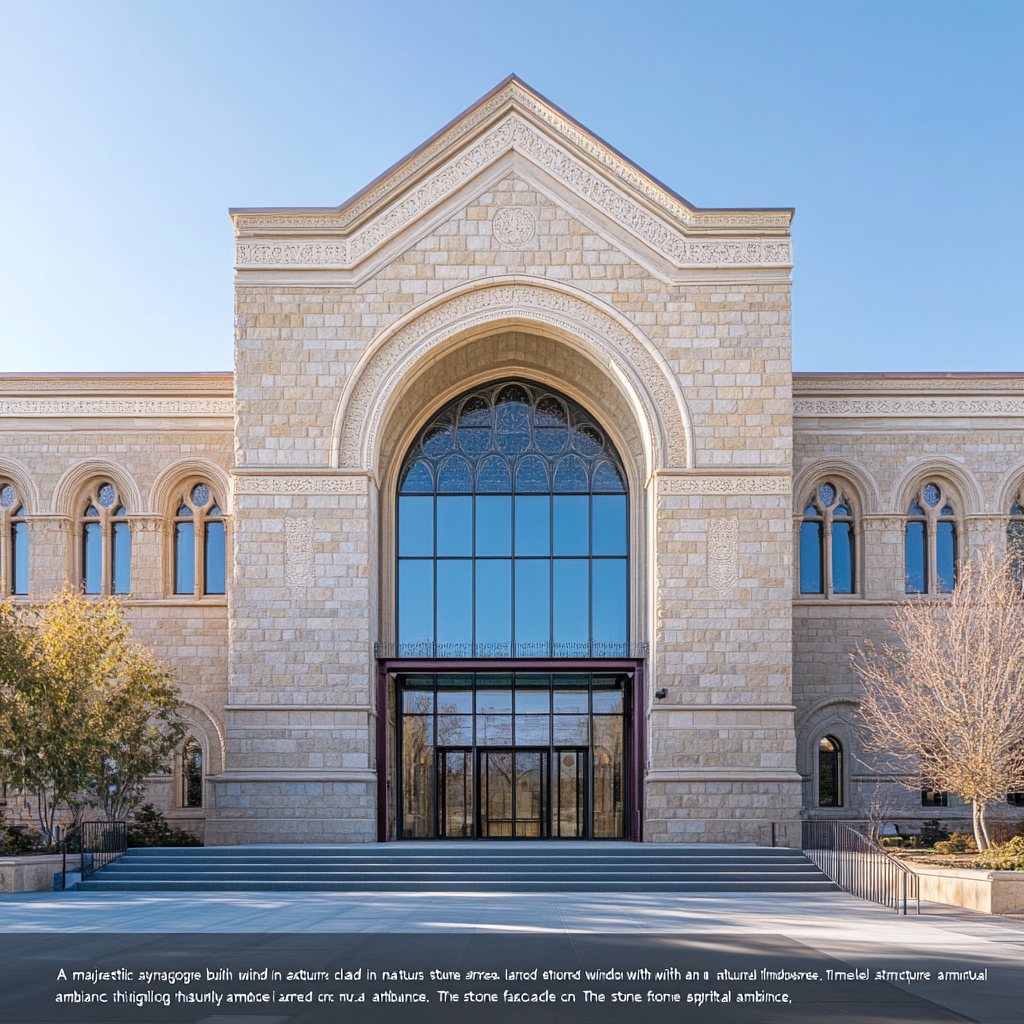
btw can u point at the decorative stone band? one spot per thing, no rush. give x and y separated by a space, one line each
909 406
514 133
286 484
117 407
722 775
699 483
296 775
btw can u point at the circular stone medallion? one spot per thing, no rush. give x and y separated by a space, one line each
514 226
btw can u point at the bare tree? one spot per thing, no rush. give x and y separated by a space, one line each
943 707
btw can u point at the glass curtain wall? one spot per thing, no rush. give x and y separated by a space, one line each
512 532
513 755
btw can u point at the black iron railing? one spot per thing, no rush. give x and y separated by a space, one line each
858 865
429 649
100 843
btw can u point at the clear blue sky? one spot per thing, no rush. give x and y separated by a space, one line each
128 129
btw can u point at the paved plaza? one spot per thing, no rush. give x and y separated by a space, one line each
858 933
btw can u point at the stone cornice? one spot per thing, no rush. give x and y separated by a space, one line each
513 97
119 385
909 384
319 240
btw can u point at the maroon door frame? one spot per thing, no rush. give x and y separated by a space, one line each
399 666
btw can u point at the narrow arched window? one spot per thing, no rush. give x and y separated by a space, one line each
827 543
512 531
930 543
14 543
192 773
106 542
1015 537
199 543
830 772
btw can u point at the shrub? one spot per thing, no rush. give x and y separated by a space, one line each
150 828
1007 856
931 833
959 842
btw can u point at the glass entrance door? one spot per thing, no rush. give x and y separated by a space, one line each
568 797
514 794
455 794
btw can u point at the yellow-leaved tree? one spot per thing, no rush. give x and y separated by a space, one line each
943 706
85 714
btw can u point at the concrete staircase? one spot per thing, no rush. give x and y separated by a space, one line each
498 867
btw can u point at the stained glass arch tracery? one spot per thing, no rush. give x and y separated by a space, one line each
512 531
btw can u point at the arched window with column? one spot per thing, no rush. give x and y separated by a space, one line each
13 542
192 773
199 542
830 772
512 531
827 539
930 543
106 543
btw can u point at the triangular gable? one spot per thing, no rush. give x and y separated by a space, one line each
514 119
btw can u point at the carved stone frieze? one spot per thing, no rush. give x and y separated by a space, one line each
920 406
965 384
514 226
723 553
117 407
256 485
514 133
708 484
514 97
364 405
299 567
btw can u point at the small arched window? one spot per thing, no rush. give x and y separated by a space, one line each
106 542
199 543
192 773
827 543
830 772
930 553
13 542
1015 536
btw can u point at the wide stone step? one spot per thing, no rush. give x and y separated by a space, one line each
503 867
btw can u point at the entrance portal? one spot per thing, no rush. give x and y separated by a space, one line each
525 756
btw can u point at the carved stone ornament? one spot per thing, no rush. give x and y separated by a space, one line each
256 485
700 484
299 568
514 226
365 402
117 407
512 134
723 553
908 407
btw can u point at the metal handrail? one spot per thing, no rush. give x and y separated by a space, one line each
387 650
860 866
101 842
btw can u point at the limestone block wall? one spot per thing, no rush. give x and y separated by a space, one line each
880 438
149 435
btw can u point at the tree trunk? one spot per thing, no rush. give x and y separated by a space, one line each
980 834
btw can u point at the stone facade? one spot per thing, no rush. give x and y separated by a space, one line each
513 243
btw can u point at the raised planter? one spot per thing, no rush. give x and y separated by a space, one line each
33 873
990 892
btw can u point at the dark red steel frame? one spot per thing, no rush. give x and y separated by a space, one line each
400 666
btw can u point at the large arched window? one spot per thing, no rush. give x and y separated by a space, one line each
106 542
1015 536
930 543
13 542
199 543
512 531
830 772
827 543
